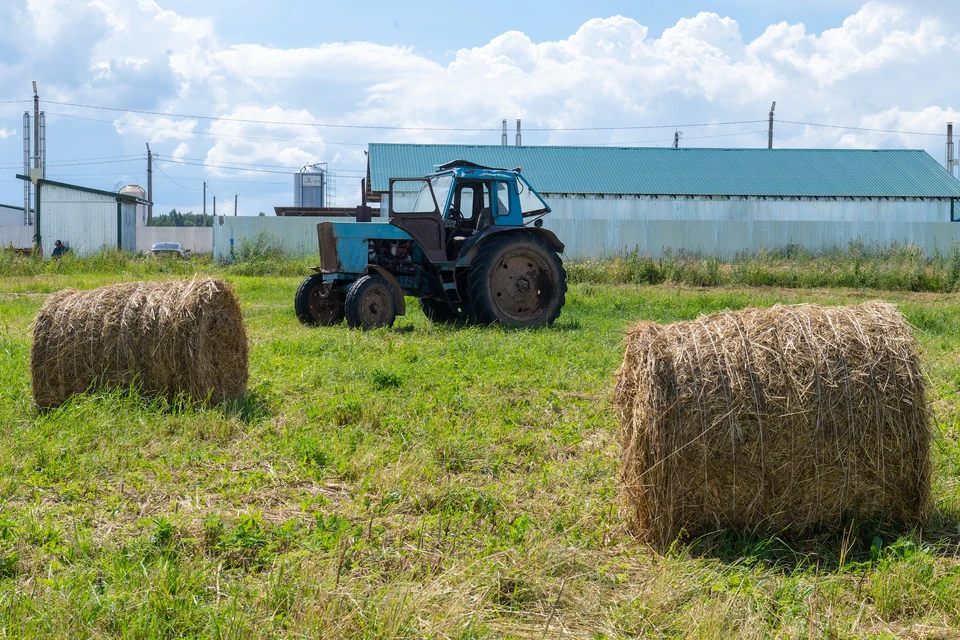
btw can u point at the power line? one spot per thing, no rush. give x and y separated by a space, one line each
71 164
722 135
207 133
221 166
836 126
386 127
174 181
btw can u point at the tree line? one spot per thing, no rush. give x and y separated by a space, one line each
179 219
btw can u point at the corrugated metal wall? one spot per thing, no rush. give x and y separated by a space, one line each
128 235
594 227
294 236
19 237
11 215
85 222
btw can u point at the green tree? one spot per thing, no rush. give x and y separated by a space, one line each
179 219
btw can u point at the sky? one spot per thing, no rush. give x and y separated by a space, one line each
240 94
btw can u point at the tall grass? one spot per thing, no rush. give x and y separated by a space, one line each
896 267
893 268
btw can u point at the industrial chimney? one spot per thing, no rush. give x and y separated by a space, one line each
518 132
503 138
951 163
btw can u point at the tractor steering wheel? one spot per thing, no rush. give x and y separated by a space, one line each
454 214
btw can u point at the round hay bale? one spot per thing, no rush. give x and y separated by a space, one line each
787 419
166 338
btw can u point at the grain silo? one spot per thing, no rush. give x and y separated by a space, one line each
310 186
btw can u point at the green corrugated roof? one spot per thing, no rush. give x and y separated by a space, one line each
660 171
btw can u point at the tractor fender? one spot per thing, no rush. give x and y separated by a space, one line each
392 281
474 247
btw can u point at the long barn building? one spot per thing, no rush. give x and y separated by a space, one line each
716 202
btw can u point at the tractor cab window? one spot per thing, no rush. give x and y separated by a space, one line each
531 204
441 189
503 199
411 196
464 201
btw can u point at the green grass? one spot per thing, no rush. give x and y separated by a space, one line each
421 481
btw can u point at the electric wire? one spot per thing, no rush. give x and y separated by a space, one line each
837 126
160 169
207 133
386 127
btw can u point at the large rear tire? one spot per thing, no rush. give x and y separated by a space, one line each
442 312
316 303
370 303
517 279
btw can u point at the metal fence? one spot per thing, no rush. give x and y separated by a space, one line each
198 240
594 227
293 236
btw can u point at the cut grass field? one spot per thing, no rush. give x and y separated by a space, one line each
421 481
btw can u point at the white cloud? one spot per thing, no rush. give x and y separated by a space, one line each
882 68
155 128
7 133
252 143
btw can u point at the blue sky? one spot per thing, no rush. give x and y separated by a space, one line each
430 67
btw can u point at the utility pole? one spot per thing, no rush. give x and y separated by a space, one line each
214 206
204 202
770 127
234 206
149 187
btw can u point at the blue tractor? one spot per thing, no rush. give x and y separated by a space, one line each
466 241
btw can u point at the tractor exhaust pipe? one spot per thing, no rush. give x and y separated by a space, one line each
364 213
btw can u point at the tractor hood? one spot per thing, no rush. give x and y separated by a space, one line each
344 246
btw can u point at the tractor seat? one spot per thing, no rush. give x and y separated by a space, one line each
485 219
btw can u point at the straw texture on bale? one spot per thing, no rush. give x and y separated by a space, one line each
168 338
789 419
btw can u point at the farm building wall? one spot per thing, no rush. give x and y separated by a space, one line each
10 215
85 221
293 236
601 226
18 237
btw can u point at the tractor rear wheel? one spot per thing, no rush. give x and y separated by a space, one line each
518 280
441 311
370 303
317 303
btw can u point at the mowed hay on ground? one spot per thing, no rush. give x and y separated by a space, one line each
770 420
167 338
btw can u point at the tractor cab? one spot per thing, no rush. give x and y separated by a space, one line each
467 241
450 210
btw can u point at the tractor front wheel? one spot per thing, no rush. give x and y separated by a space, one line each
517 280
317 303
370 303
